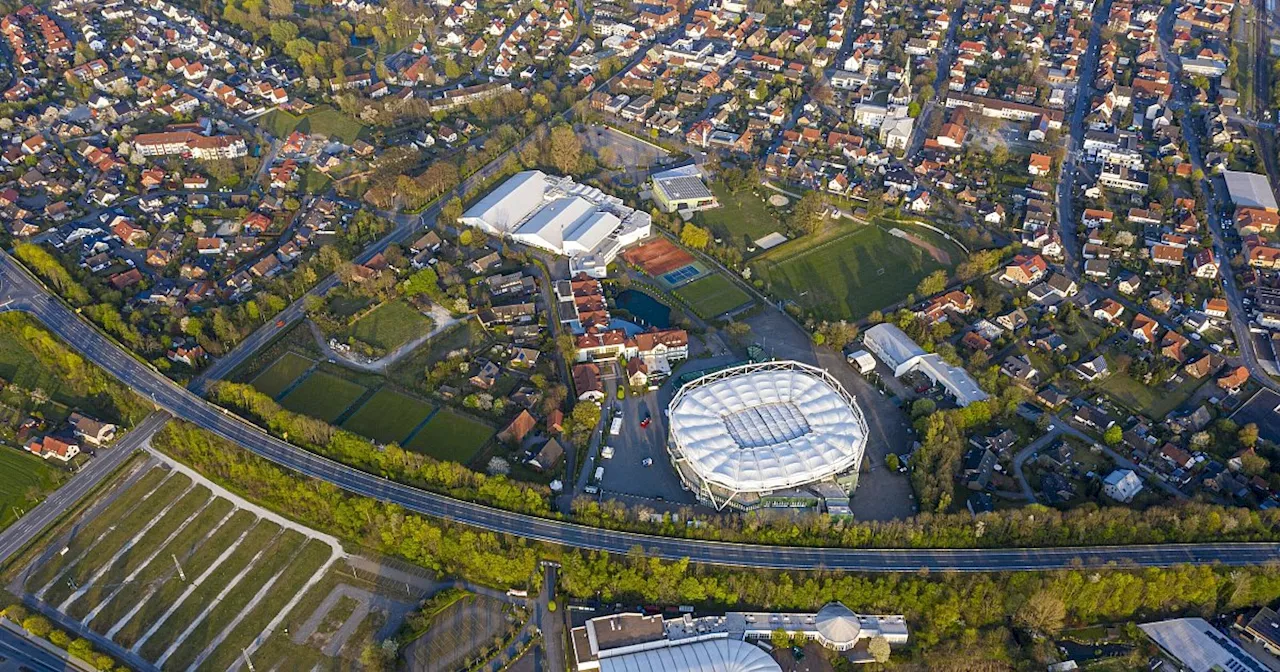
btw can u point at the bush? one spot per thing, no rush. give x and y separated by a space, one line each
60 639
892 462
37 625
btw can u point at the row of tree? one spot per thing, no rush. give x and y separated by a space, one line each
948 614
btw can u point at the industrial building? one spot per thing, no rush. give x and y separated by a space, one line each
903 355
782 434
1249 190
560 216
632 642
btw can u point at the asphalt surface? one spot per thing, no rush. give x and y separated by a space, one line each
27 295
19 534
17 652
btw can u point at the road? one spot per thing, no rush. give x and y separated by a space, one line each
26 294
1214 189
16 537
1075 142
19 653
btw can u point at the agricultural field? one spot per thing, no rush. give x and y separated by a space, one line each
181 577
323 395
450 436
388 416
322 119
24 481
742 218
277 378
712 295
390 325
851 271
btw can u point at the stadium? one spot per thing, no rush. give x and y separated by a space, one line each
756 434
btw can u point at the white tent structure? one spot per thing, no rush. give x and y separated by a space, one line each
561 216
761 428
903 355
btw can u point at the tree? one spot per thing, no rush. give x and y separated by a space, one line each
695 236
582 421
809 212
1042 612
564 149
923 407
37 625
739 332
879 649
1113 435
1248 435
1254 465
838 334
450 212
932 284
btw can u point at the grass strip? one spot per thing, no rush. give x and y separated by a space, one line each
172 588
89 530
180 547
312 556
263 536
276 558
145 547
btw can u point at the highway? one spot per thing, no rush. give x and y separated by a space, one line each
18 653
24 293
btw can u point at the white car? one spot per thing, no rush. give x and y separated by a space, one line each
647 462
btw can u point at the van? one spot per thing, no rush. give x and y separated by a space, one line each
606 452
599 474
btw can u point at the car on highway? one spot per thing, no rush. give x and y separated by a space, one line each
647 462
645 422
279 323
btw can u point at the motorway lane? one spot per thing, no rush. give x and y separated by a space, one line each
186 405
19 651
19 534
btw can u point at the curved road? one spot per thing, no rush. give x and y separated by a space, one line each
27 295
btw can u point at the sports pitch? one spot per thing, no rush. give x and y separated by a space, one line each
852 271
450 437
712 295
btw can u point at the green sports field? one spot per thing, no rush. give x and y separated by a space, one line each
450 437
322 119
851 271
712 295
388 416
742 218
280 375
390 325
24 480
323 396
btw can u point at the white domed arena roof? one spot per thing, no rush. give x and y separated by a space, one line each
716 655
768 426
838 624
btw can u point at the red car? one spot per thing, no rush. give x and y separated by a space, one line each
645 422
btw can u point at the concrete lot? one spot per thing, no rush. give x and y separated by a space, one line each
635 157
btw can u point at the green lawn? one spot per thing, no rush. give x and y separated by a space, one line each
341 304
850 271
323 396
280 375
390 325
1154 402
742 217
712 295
322 119
24 480
388 416
450 437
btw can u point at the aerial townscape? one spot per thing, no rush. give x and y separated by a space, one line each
639 335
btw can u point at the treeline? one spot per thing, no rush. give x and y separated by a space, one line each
391 461
387 528
76 376
954 618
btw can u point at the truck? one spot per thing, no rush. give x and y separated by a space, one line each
616 427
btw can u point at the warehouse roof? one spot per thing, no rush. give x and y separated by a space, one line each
1249 190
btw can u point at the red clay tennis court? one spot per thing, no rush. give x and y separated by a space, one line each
658 257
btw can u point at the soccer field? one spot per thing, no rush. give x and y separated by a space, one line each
450 437
388 416
852 271
323 396
712 295
390 325
280 375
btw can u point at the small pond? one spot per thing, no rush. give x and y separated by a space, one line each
644 309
